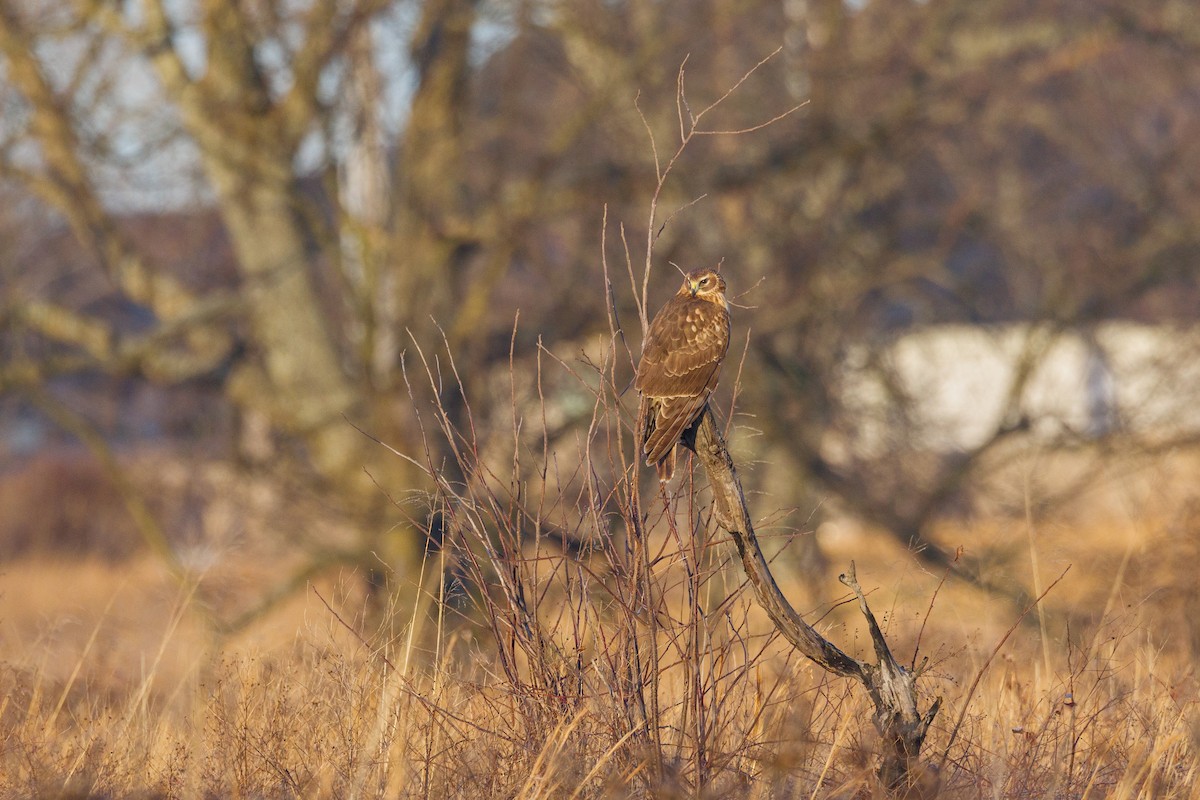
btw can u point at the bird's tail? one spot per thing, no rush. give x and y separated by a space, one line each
666 466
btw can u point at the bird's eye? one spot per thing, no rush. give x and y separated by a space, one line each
705 281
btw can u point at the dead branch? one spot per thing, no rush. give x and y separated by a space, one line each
892 688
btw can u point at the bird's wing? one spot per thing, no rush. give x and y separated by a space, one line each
683 350
680 364
672 416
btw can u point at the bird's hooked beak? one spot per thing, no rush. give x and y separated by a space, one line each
693 287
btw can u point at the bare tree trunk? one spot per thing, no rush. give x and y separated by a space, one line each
302 386
248 142
367 252
434 223
892 688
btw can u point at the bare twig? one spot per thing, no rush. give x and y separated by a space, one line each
929 611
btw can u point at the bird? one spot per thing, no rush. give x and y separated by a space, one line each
680 363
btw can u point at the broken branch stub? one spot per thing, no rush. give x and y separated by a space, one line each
891 687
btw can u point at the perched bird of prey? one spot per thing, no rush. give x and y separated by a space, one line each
681 360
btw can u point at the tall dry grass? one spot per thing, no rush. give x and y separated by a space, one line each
554 653
325 716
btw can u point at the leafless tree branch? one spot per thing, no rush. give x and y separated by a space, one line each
892 688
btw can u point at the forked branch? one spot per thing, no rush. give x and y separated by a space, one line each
892 688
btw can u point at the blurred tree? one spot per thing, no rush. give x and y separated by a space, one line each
975 163
957 162
247 86
247 134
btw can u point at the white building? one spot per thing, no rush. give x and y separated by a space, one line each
952 387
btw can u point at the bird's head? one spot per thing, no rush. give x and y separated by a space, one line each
705 284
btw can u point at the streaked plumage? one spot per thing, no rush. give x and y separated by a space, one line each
681 361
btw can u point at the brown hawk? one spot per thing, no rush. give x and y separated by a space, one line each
681 360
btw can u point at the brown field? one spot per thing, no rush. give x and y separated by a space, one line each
120 679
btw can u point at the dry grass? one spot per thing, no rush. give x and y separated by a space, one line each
114 683
617 666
